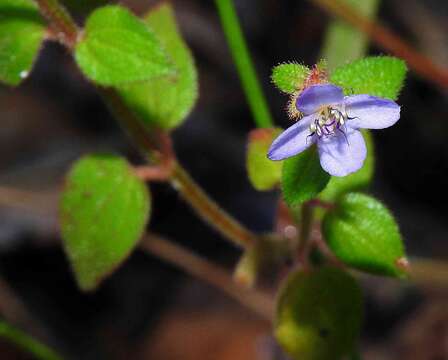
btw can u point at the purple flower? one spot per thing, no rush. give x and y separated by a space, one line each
332 121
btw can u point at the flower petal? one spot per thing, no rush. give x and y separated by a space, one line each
292 141
315 96
371 112
342 155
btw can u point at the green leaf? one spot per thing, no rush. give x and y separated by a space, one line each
22 32
363 234
264 174
166 101
359 180
289 77
104 209
381 76
118 48
318 314
302 177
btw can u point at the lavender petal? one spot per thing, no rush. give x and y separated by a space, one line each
293 140
342 155
315 96
371 112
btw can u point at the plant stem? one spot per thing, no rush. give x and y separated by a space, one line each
388 40
244 64
209 211
182 258
61 23
152 144
306 225
27 343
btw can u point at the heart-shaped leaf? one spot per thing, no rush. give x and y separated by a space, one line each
104 209
118 48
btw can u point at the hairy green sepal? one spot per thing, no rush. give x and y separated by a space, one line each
363 234
104 209
381 76
289 77
118 48
318 314
22 32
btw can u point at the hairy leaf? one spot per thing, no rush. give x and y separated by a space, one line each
363 234
117 48
381 76
104 209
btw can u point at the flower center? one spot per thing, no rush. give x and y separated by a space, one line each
329 121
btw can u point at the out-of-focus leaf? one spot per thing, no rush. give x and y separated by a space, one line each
264 174
166 101
22 31
318 314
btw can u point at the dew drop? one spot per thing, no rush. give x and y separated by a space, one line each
23 74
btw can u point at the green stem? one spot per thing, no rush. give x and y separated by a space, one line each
27 343
244 64
306 225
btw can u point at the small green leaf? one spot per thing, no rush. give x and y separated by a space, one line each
289 77
363 234
264 174
381 76
302 177
104 210
318 314
22 32
117 48
359 180
166 101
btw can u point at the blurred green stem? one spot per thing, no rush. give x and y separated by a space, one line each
27 343
244 64
343 43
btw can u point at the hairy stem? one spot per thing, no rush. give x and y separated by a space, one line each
244 64
61 23
209 211
182 258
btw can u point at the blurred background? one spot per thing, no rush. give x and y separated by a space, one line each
150 310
